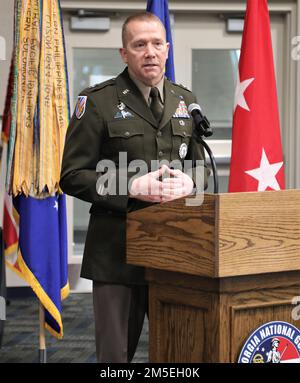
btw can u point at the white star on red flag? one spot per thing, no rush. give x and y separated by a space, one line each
266 173
256 155
239 98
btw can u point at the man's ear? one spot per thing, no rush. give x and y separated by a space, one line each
123 53
168 47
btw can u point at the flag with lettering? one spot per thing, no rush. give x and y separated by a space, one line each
256 159
10 216
36 118
161 9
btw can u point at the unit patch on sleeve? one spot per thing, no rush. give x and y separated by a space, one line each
80 106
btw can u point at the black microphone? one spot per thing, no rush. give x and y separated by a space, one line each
202 128
201 122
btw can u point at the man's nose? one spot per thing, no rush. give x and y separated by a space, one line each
150 51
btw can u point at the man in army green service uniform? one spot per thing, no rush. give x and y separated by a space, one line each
144 115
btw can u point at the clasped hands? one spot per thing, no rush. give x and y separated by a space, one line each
174 184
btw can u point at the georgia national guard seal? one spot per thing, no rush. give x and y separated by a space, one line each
273 342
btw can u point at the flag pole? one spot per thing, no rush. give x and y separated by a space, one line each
42 338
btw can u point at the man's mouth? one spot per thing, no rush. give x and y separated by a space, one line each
149 65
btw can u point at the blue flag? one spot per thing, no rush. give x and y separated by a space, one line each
42 255
160 9
35 227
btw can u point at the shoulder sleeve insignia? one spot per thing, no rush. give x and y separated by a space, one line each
80 106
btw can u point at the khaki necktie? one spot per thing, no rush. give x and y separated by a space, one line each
155 106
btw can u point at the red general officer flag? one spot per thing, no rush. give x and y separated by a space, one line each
256 158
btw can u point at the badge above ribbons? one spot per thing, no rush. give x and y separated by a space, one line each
80 106
123 113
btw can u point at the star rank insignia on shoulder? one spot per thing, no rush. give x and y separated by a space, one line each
102 85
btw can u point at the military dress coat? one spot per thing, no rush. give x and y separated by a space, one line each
116 118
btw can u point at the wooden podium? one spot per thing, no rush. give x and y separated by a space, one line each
217 271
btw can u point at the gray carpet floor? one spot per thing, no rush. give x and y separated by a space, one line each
21 342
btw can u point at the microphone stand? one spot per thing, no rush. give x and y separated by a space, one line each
203 129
